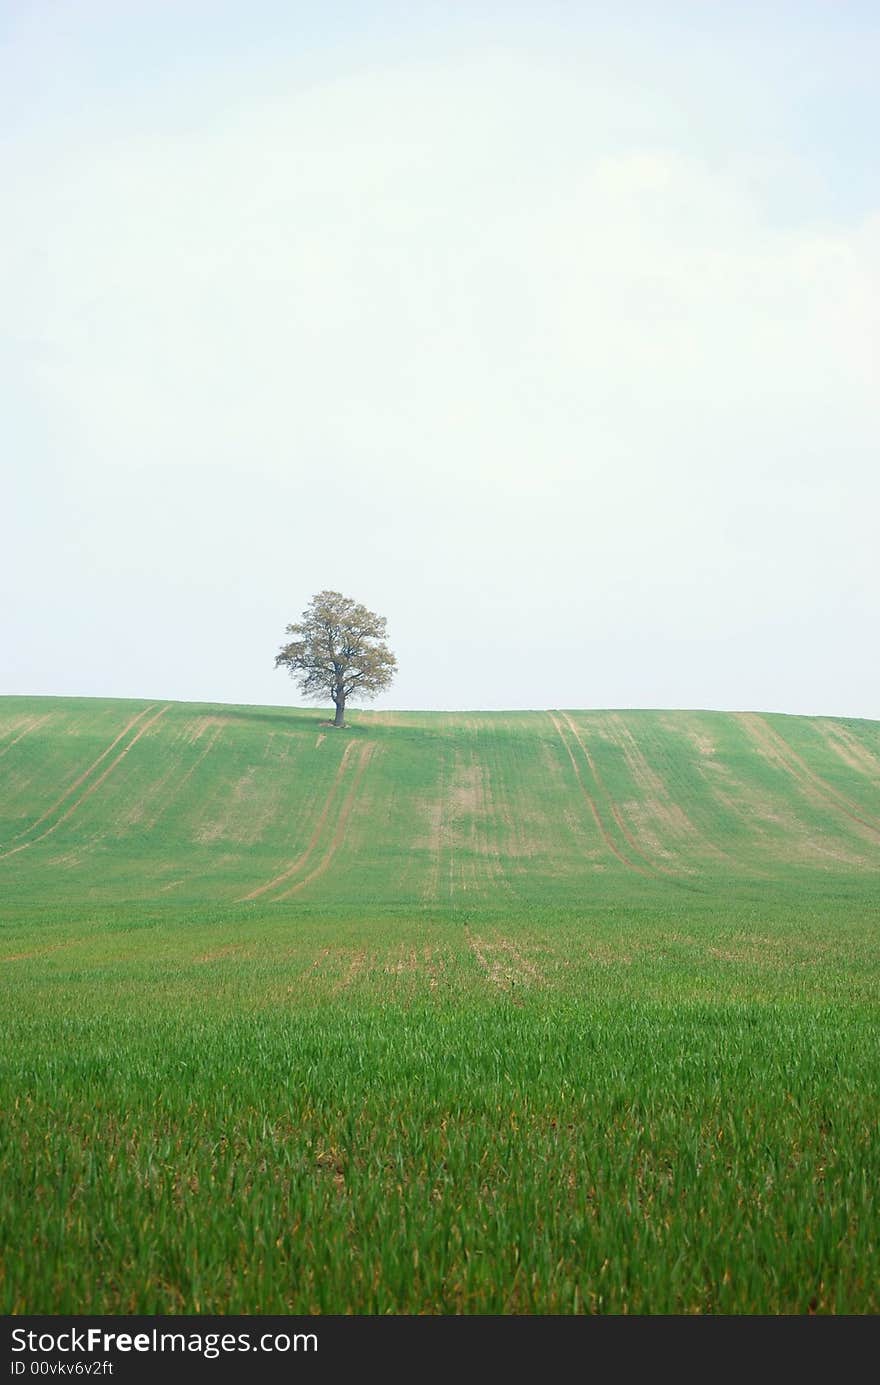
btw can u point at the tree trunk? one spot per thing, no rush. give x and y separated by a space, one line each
339 699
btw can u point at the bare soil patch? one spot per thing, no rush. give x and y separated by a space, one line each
355 968
503 962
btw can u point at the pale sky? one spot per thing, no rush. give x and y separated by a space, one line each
548 331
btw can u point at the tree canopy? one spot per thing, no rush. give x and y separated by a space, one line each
338 650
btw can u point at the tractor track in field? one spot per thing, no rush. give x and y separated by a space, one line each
457 837
775 749
41 952
851 751
32 724
591 802
363 759
437 832
95 784
643 866
636 846
672 817
472 808
308 851
147 814
86 772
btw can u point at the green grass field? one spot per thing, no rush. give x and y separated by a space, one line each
486 1013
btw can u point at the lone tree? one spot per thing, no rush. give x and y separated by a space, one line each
338 648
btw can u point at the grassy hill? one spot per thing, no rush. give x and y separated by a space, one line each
491 1012
107 802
